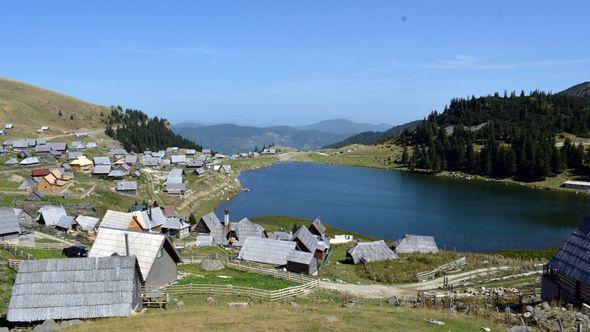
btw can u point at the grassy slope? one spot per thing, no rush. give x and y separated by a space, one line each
236 278
29 107
321 312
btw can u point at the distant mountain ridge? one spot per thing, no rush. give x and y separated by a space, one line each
344 127
231 138
580 90
374 137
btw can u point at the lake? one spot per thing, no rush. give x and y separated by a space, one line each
464 215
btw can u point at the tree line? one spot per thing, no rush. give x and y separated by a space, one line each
502 136
137 132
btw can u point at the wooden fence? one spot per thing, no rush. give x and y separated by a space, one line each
250 267
269 295
423 276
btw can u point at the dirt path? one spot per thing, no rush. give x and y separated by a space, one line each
382 291
73 134
41 235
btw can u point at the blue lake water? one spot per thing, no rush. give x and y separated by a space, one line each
463 215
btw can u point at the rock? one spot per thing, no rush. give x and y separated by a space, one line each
179 304
294 304
436 322
71 322
210 300
487 329
238 304
519 328
393 300
47 326
211 265
331 318
585 308
527 315
545 306
529 308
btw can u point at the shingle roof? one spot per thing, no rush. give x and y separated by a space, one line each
143 245
283 236
65 222
30 161
301 257
572 258
245 229
175 159
175 223
102 161
416 243
116 219
211 220
74 288
51 214
371 252
126 185
153 220
87 223
266 250
307 239
102 169
318 225
9 221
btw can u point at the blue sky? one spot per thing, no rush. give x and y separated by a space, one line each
279 62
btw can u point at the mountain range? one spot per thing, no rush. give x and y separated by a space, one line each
232 138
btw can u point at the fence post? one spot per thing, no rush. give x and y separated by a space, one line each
288 275
301 274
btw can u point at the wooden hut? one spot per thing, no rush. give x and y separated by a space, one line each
75 288
416 243
266 251
155 253
82 164
366 252
567 275
302 262
308 242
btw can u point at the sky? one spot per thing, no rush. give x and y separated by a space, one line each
293 62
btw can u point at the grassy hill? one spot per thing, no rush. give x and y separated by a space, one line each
29 107
580 90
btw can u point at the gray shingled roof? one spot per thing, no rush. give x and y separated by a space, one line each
143 245
367 252
87 223
175 223
301 257
126 185
75 288
116 219
245 229
416 243
156 219
283 236
102 161
267 251
572 258
51 214
102 169
319 226
309 240
65 222
9 221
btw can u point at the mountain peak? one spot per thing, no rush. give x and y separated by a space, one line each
580 90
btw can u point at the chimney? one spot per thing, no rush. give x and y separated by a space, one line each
226 217
126 244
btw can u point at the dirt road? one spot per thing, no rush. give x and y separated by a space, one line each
383 291
41 235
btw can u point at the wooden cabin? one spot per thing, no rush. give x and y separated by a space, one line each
566 277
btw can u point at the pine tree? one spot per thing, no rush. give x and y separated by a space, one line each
405 157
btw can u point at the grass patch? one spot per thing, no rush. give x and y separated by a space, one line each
313 314
231 277
286 223
538 254
42 253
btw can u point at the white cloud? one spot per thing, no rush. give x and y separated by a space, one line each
468 62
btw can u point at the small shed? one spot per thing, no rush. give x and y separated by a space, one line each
75 288
416 243
317 228
155 253
176 228
35 196
367 252
49 215
567 275
302 262
266 251
86 223
127 187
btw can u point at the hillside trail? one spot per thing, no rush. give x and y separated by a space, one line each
73 134
384 291
42 235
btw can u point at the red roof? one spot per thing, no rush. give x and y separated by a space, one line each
40 172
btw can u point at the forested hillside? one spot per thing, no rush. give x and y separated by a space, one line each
502 136
374 137
137 132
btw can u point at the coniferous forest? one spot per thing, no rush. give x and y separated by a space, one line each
138 133
503 136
